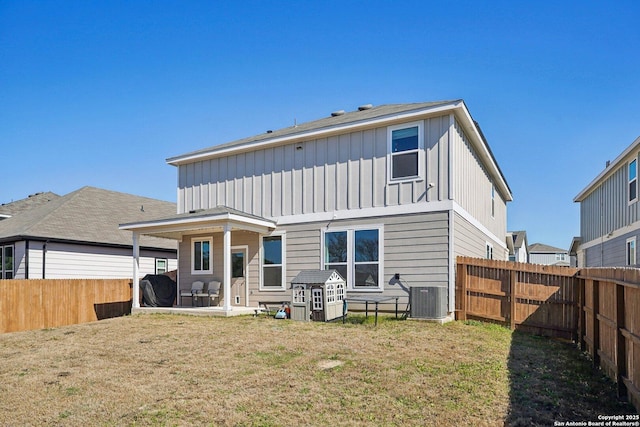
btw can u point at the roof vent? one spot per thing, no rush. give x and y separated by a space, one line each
337 113
365 107
608 163
269 131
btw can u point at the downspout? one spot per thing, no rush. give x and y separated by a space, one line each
26 259
44 258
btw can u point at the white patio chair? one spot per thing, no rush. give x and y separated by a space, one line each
196 290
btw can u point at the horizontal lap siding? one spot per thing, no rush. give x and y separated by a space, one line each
341 172
471 242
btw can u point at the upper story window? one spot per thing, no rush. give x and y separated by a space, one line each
406 143
493 200
633 180
201 260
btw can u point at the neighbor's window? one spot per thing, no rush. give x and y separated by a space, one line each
489 250
356 255
161 265
631 251
6 262
201 256
633 180
272 262
405 145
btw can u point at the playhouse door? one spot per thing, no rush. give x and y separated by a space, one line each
317 306
238 275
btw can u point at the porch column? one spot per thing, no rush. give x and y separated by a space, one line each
226 258
136 270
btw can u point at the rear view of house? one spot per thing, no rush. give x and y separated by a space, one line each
393 189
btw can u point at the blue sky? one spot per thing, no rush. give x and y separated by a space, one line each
101 92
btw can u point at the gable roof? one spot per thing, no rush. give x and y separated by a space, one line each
368 117
33 201
609 170
516 239
88 215
542 248
314 277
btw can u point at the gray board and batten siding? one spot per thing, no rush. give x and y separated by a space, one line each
343 172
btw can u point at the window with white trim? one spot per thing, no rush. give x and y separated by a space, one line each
340 292
272 270
298 294
331 292
161 265
6 262
201 256
489 251
493 200
406 143
633 180
356 254
316 298
631 251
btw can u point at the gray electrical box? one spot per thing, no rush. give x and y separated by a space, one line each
428 302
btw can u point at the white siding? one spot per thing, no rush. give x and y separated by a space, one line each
472 242
69 261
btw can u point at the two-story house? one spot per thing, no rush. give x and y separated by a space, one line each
392 189
540 253
610 214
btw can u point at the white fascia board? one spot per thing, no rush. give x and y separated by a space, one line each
189 223
612 235
315 133
502 242
607 171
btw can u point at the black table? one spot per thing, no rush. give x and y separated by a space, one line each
377 299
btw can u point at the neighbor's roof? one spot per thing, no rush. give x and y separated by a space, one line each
33 201
88 215
608 171
541 248
363 117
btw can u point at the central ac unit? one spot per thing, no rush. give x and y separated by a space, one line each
428 302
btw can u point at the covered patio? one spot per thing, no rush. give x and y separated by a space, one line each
219 221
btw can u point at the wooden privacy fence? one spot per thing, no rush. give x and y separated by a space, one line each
541 299
49 303
597 307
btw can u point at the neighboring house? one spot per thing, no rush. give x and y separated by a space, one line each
610 214
77 236
393 189
7 210
549 255
517 245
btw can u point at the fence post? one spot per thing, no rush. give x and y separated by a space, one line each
621 342
462 290
513 280
596 323
582 326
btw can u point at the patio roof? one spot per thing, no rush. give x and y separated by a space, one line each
201 221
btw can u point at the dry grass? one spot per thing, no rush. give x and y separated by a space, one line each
181 370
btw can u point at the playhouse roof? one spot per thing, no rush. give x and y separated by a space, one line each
313 277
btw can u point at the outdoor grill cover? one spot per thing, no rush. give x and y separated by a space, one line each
158 290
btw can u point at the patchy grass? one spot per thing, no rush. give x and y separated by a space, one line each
181 370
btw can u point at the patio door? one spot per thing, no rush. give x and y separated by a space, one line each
239 285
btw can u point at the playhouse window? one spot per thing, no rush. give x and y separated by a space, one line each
340 292
331 293
356 255
298 294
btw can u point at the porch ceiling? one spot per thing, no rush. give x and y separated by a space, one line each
203 221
